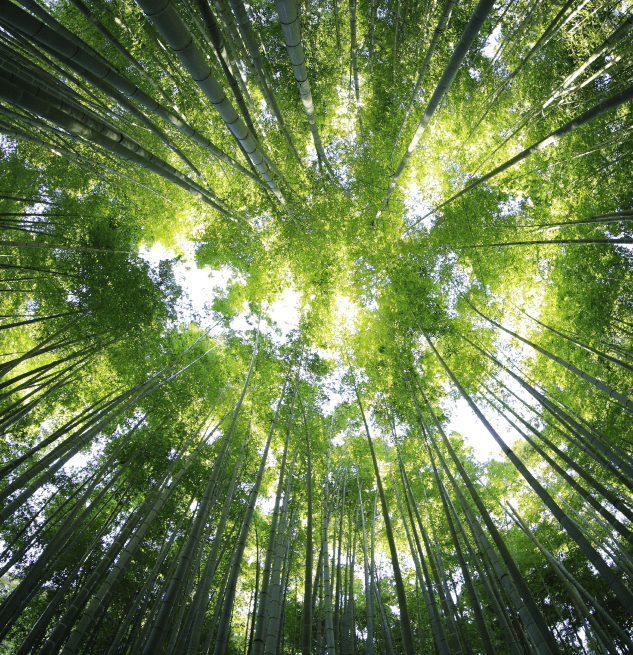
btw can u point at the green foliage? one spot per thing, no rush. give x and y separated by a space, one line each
434 287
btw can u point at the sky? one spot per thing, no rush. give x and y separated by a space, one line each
201 285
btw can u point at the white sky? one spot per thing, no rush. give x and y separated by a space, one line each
199 285
464 422
493 42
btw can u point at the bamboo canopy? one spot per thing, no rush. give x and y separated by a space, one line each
433 451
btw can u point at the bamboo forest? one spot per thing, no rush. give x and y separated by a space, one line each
435 455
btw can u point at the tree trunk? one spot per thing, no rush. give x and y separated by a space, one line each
227 606
469 35
405 623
